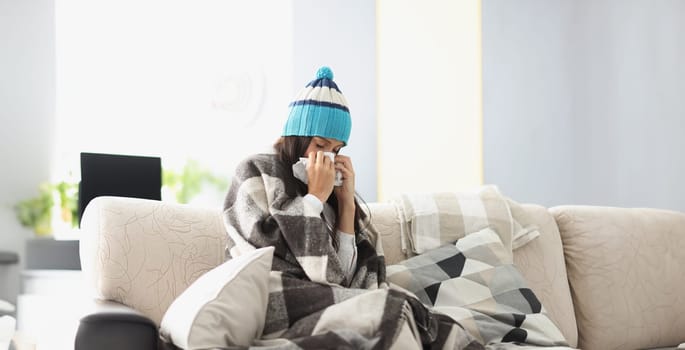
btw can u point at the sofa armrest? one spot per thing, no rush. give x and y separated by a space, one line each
112 325
625 269
144 253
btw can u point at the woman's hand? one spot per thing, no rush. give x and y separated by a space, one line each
345 194
320 175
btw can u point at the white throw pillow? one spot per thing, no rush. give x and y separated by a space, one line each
224 307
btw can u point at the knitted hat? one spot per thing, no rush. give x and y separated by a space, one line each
320 109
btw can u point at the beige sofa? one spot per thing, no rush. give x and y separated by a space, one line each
610 278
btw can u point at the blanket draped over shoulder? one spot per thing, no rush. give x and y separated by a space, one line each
311 304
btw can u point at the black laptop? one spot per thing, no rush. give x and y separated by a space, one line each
118 175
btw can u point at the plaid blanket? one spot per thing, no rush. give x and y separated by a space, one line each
308 307
430 220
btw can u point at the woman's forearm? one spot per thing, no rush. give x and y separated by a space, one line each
346 218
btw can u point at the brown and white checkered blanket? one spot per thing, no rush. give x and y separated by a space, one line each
430 220
308 307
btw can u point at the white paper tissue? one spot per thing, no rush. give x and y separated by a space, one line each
300 169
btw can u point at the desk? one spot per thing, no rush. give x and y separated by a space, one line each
52 254
8 258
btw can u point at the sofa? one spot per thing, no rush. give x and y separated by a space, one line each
609 278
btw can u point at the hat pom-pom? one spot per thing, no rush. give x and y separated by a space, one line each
324 72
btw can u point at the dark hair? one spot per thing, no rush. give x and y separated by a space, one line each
289 149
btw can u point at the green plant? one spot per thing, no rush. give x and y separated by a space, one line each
190 181
68 199
36 212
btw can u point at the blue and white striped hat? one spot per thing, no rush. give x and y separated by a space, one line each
320 109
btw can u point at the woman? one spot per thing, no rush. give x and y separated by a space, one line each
316 219
324 260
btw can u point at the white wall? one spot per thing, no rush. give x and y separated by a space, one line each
342 35
583 101
429 96
27 100
207 81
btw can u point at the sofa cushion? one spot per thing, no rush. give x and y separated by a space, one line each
474 282
387 223
224 307
542 264
625 268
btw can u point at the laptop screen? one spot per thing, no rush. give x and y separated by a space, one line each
118 175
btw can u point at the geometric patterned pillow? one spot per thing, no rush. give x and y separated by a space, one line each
474 282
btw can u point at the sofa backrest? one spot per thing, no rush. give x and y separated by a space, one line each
541 261
144 253
627 275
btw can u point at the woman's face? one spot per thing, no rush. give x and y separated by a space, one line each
323 144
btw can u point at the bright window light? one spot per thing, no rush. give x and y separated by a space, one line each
202 80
